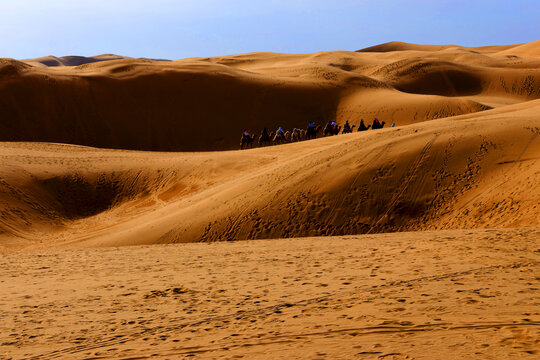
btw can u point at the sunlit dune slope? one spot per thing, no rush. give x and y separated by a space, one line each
403 46
205 103
476 170
524 50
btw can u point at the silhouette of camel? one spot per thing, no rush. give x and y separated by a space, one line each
365 128
246 141
265 138
287 136
279 138
311 133
330 129
348 130
296 135
376 125
362 126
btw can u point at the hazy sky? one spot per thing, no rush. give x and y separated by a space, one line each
184 28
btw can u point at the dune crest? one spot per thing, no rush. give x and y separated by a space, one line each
443 174
403 46
531 49
53 61
202 104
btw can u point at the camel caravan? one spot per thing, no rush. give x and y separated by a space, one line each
282 137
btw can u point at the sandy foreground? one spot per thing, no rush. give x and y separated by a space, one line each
417 295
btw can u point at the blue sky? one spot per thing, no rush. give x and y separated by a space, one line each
185 28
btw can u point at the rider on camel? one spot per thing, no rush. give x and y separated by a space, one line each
347 127
362 126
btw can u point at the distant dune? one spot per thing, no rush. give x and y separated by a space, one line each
53 61
403 46
205 103
525 50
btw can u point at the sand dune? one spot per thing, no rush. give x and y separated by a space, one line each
477 170
204 103
403 46
525 50
418 241
53 61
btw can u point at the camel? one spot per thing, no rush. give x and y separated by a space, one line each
349 130
265 138
287 136
296 135
331 129
311 133
246 141
363 127
376 125
328 129
278 138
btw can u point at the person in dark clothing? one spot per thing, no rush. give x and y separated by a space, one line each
346 127
362 126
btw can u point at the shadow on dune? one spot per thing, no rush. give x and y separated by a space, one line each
77 197
443 82
204 104
134 105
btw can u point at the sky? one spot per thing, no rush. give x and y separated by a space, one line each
175 29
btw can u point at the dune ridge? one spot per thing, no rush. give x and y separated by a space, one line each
403 46
471 171
202 104
464 155
73 60
531 49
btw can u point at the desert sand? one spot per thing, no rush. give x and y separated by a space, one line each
200 104
418 241
417 295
